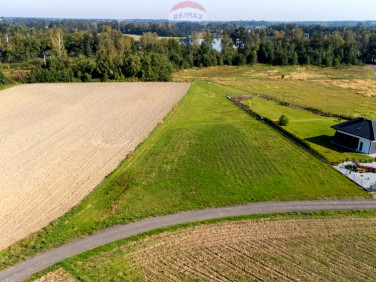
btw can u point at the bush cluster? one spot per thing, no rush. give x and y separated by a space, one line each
283 120
3 79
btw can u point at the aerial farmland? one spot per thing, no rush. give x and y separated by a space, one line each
64 139
187 141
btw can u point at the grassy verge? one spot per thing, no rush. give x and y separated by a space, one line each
207 153
310 127
5 86
114 261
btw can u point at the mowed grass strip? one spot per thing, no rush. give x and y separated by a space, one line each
316 246
208 152
309 127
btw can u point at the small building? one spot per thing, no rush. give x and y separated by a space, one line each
358 135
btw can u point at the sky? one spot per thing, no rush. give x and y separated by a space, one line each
269 10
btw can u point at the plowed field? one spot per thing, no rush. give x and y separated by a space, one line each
58 141
291 249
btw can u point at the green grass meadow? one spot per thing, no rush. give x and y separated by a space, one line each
307 86
313 94
207 153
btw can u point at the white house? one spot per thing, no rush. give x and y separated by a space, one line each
358 135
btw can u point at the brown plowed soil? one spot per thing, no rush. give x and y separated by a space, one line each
312 249
58 141
338 248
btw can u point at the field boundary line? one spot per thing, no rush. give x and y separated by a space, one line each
42 261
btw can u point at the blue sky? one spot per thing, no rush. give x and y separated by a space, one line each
283 10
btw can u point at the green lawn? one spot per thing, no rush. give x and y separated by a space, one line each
308 126
208 152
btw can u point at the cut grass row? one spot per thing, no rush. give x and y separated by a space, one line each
207 153
296 237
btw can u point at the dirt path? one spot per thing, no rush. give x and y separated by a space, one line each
42 261
59 141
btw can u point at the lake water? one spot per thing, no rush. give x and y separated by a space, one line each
216 44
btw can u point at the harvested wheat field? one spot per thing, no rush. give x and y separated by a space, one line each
58 141
289 249
305 249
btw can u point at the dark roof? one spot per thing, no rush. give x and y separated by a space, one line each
360 127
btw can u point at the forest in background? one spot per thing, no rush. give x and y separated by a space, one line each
83 50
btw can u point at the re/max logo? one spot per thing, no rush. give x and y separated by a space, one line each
184 16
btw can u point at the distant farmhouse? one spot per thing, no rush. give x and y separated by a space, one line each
358 135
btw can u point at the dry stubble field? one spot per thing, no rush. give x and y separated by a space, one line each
338 248
285 250
58 141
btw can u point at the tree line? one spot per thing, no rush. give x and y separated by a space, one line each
64 54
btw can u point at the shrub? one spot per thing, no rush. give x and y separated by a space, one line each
42 75
86 77
20 77
283 120
105 77
3 79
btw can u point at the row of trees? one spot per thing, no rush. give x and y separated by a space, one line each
183 29
57 54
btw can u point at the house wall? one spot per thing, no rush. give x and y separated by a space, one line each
373 148
366 143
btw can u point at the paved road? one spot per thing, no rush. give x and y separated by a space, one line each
42 261
373 66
